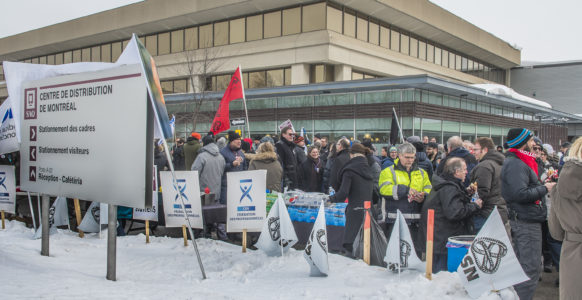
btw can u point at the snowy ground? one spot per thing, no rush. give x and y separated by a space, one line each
165 269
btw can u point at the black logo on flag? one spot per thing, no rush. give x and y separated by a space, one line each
274 228
404 253
96 213
488 253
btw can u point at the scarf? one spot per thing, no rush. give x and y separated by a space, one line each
527 157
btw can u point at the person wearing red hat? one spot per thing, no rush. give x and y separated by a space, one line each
300 150
191 149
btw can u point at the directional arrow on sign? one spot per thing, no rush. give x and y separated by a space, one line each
32 153
33 133
32 174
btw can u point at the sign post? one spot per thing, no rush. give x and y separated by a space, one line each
111 241
429 243
147 231
367 206
45 226
78 216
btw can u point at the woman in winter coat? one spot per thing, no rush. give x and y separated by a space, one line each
266 159
357 184
565 221
328 164
311 172
453 209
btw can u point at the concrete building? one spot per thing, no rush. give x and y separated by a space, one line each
558 83
285 43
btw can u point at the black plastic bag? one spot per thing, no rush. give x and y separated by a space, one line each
378 243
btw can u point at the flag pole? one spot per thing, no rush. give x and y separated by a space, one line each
244 100
399 127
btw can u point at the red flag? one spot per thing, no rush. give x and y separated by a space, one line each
234 91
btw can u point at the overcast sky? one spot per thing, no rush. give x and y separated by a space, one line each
546 31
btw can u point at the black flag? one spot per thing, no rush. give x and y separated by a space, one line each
394 129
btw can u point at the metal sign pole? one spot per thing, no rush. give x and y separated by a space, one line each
45 226
111 241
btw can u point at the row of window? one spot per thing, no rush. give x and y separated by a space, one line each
390 96
305 18
252 80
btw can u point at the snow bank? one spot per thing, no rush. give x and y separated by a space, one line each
502 90
165 269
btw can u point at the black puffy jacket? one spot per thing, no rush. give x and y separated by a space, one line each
522 190
285 151
452 211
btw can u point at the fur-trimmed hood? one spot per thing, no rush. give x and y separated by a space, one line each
262 156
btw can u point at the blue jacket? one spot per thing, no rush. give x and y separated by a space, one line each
463 153
229 157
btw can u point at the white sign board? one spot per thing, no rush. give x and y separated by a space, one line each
7 189
149 213
246 200
8 139
188 189
70 128
237 122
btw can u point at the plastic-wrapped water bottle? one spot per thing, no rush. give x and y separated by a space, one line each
475 196
331 191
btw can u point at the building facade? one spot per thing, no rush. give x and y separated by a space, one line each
281 44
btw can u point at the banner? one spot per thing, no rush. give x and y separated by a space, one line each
58 216
286 124
234 91
188 188
155 93
246 200
8 139
278 234
400 252
150 214
490 263
7 189
316 248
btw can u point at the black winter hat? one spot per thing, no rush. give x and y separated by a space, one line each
207 139
232 135
517 137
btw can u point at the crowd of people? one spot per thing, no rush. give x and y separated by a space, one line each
463 181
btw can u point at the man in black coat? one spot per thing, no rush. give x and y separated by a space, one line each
455 149
452 209
341 159
285 150
487 175
524 194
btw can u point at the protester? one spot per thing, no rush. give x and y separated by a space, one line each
178 155
455 149
392 157
383 153
468 145
256 143
487 175
311 172
266 159
210 166
300 149
564 149
524 195
432 151
234 160
433 140
285 150
564 221
404 187
191 149
425 140
269 139
328 165
324 151
356 186
341 159
160 159
500 149
221 142
453 209
422 159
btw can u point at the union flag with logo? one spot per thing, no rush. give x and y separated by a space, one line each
234 91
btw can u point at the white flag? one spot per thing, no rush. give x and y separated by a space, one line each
58 216
316 248
90 222
278 231
8 139
400 252
490 263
